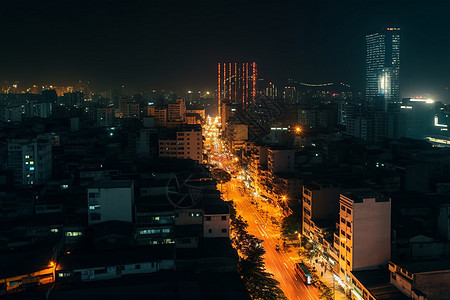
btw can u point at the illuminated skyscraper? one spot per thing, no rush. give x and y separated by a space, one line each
236 83
383 67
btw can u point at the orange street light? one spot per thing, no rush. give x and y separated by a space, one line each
298 129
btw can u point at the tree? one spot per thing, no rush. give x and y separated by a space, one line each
221 176
259 282
326 292
291 224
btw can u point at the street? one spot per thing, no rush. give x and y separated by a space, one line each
278 262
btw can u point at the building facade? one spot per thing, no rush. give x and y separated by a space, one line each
383 67
110 201
364 230
188 144
30 160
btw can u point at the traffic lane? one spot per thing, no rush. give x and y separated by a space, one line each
277 262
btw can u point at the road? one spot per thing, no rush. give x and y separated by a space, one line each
279 263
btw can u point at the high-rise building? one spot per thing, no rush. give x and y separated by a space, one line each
383 68
236 83
30 160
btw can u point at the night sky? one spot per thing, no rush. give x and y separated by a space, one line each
177 44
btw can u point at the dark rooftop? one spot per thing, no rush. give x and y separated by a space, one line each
115 257
424 265
112 184
25 261
358 195
377 282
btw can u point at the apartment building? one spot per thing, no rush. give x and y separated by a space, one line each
364 230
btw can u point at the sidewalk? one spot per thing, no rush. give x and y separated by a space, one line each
324 273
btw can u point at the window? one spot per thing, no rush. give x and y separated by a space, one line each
224 218
207 218
306 211
209 230
149 231
342 220
348 224
349 211
342 232
348 263
343 207
166 230
349 237
54 230
224 230
394 276
74 233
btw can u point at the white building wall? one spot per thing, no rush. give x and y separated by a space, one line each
371 233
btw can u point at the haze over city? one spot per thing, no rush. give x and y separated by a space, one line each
172 44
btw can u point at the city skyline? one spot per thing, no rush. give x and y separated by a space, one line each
175 46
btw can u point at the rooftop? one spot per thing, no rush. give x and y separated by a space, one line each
112 184
115 257
358 195
23 262
424 266
377 282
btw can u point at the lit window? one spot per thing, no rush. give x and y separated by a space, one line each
54 230
31 162
74 233
27 156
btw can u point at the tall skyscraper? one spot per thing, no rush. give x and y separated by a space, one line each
383 67
236 83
